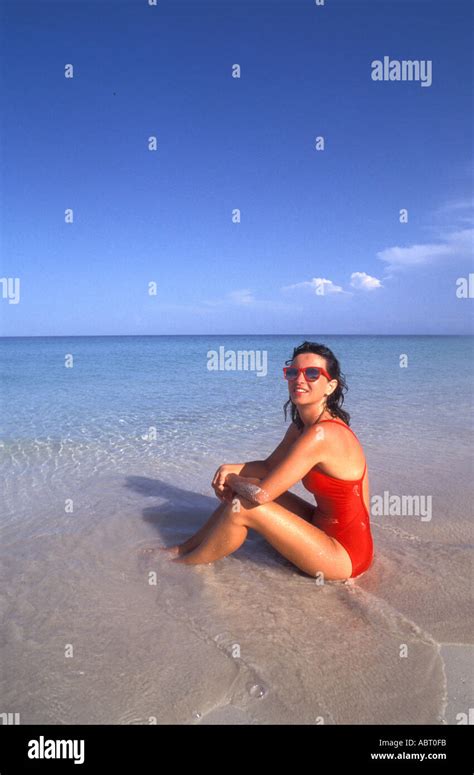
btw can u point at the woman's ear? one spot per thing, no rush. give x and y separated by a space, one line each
332 386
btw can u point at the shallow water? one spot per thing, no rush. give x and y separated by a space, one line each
248 639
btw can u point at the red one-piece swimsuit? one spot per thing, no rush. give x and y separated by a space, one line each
342 513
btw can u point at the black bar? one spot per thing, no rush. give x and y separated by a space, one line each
143 748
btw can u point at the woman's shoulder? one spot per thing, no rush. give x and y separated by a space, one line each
335 421
331 428
334 428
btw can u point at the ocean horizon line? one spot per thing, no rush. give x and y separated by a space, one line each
169 336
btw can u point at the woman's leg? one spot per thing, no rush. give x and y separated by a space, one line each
223 537
305 545
288 500
297 505
193 541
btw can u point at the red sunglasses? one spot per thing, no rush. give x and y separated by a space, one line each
311 373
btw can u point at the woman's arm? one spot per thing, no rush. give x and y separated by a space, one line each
256 469
304 454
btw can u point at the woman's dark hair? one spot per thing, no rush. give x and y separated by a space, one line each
336 399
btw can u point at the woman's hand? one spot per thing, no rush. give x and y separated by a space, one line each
219 485
248 487
234 477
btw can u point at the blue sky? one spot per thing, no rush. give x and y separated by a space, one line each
319 248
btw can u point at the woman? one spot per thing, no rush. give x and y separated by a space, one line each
333 539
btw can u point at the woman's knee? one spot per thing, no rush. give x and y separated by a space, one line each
239 509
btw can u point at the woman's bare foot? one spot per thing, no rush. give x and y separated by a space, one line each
151 551
174 551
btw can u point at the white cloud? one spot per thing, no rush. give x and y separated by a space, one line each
455 206
242 297
319 285
364 282
453 238
456 244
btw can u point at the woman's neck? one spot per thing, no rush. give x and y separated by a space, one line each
311 414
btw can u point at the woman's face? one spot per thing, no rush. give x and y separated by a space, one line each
302 392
